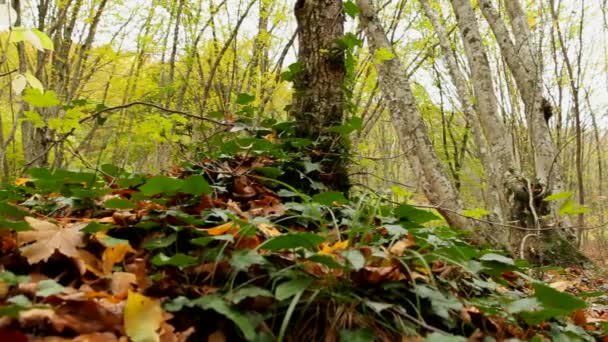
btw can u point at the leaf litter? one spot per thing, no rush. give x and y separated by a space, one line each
221 251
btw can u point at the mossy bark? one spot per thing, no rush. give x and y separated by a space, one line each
318 100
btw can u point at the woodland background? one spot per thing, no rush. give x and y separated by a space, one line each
259 169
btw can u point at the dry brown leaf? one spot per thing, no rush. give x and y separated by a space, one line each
122 282
48 238
94 337
267 206
217 336
399 248
88 262
562 285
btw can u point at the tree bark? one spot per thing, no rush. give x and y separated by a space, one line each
318 100
413 132
459 80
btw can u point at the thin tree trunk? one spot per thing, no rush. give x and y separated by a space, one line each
413 133
458 79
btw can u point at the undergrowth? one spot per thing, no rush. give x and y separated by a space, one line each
244 243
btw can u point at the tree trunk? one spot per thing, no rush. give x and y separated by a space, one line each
318 100
413 132
487 159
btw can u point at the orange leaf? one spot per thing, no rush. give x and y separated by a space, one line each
222 229
327 249
113 255
268 230
579 318
22 181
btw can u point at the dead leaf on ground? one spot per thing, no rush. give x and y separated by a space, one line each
115 254
268 230
267 206
46 238
399 248
143 317
122 282
562 285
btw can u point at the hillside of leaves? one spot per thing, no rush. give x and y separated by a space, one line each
230 247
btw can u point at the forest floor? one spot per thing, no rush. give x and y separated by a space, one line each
224 250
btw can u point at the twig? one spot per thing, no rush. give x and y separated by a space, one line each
8 73
153 105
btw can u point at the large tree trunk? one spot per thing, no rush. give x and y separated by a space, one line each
522 60
413 132
318 101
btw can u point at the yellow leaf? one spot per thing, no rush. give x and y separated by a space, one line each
272 137
113 255
221 229
45 238
143 317
22 181
327 249
268 230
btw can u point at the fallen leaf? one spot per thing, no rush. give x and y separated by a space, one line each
143 317
122 283
399 248
217 336
562 285
47 238
242 188
579 317
331 249
268 230
221 229
267 206
22 181
86 261
113 255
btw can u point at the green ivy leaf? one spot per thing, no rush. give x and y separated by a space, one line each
293 240
290 288
498 258
161 185
440 303
270 172
238 295
351 9
241 320
196 185
109 241
355 258
328 198
162 242
95 227
415 215
119 203
244 258
9 278
49 287
179 260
